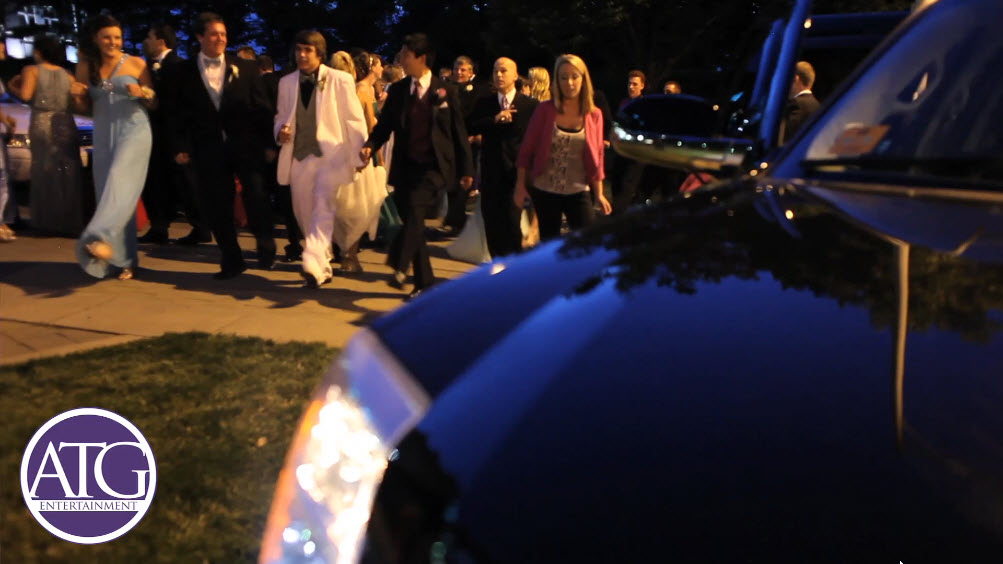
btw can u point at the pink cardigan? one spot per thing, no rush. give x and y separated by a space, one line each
534 153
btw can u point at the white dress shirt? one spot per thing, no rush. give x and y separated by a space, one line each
505 100
421 84
212 76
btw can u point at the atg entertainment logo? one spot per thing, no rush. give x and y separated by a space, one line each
88 475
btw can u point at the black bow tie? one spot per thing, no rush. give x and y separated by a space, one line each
311 78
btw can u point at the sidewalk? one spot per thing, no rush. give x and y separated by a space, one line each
49 306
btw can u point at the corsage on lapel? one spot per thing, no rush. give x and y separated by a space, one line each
321 83
234 73
470 88
156 66
441 101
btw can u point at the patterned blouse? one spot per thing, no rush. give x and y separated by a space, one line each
565 173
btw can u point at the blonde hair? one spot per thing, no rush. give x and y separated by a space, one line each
343 62
585 102
539 83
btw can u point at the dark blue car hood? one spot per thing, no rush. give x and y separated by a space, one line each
720 378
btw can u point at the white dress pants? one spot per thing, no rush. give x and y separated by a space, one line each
312 187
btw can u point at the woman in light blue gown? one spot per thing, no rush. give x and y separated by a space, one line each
118 87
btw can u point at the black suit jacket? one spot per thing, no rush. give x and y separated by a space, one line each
271 81
244 115
797 112
470 92
164 81
500 141
449 134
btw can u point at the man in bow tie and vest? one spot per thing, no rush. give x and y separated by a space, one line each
431 153
224 129
320 126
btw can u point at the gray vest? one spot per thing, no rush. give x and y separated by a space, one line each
305 142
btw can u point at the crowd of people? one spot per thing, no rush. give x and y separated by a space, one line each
319 146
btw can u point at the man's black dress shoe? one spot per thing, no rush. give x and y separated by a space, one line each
449 231
266 263
155 236
414 294
312 282
293 253
397 280
193 238
230 272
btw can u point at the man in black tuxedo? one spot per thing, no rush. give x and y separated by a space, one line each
281 196
431 154
802 103
501 118
224 128
469 90
166 182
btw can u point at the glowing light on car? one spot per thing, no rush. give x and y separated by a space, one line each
324 496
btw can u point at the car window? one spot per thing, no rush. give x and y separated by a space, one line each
931 106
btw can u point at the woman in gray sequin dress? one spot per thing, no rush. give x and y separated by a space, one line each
56 194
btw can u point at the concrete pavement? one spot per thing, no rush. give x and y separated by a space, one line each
49 306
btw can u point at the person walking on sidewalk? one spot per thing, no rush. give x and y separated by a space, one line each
561 157
119 88
321 127
431 153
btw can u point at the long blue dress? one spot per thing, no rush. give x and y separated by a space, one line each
122 142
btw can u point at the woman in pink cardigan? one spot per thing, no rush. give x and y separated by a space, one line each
562 153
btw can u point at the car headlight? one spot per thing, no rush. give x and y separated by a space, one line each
19 140
324 496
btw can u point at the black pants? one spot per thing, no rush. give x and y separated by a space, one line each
169 185
456 202
501 218
414 198
282 203
627 178
215 183
549 208
192 201
157 191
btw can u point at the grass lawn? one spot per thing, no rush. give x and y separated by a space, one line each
219 413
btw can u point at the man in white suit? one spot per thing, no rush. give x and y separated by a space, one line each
321 128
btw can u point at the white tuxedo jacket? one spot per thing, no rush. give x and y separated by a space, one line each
341 125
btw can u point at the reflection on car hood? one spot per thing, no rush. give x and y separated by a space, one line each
720 378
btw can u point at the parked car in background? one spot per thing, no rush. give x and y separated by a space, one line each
747 125
802 362
19 144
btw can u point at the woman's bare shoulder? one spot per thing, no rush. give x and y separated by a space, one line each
135 63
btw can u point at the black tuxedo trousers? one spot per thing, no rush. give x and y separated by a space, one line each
414 199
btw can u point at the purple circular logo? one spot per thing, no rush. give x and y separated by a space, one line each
88 475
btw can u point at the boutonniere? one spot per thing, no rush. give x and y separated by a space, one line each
470 87
234 73
156 66
440 95
321 83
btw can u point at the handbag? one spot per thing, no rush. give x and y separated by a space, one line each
472 244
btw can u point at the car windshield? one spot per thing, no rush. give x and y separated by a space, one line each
932 106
